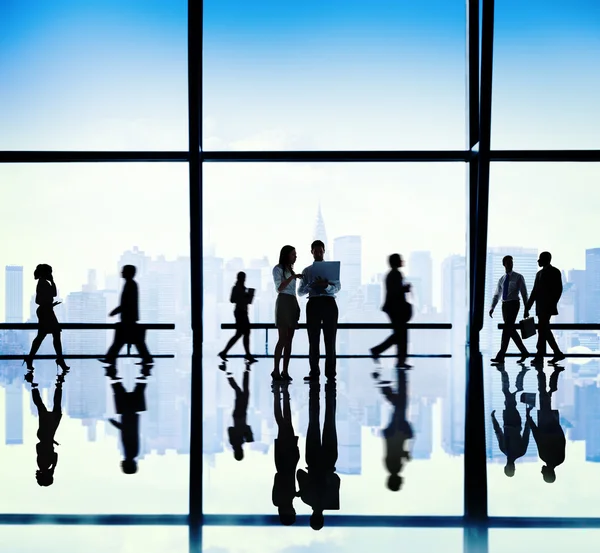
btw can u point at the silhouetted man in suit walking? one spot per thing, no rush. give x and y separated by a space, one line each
128 331
398 310
510 285
546 292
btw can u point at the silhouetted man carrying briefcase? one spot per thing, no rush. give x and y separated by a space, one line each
510 285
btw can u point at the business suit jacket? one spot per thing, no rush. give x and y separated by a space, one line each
546 292
395 290
128 309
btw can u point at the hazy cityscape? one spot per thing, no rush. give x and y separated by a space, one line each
436 391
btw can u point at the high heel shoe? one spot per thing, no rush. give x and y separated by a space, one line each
61 363
29 362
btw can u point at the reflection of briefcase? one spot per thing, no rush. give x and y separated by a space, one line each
527 327
131 402
528 398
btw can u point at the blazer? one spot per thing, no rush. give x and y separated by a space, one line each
547 290
128 309
395 291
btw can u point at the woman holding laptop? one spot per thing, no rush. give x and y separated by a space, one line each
287 310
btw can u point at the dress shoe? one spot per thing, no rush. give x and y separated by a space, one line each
557 357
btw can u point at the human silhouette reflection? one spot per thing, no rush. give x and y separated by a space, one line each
129 405
47 457
319 485
287 455
511 442
128 331
240 432
45 293
398 431
548 433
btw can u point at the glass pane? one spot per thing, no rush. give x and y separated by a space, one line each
95 539
334 75
248 216
94 75
549 540
336 540
556 444
545 87
87 221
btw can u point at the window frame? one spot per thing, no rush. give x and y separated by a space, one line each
477 154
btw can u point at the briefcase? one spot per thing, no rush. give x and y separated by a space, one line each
527 327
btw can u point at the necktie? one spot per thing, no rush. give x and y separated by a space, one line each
505 288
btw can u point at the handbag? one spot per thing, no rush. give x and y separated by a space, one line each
527 327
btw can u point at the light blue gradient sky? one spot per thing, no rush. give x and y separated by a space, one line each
288 75
100 74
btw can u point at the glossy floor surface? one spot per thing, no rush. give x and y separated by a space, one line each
376 442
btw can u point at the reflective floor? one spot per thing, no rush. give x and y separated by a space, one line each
556 450
92 443
376 442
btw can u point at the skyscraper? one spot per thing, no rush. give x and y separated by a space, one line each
454 311
348 251
85 307
13 294
420 271
320 233
592 284
13 411
577 278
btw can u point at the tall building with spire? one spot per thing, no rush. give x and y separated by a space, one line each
320 233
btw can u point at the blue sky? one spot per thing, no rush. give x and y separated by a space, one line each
297 75
93 75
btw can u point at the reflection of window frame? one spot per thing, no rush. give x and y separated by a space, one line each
477 154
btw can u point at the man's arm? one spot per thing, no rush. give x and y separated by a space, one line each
523 290
499 433
532 298
333 287
532 425
526 432
559 285
497 294
115 423
304 287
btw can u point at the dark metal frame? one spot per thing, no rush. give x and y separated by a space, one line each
477 154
